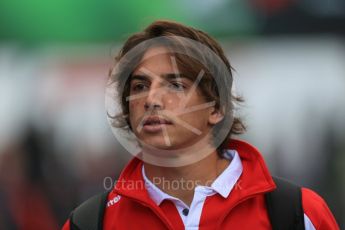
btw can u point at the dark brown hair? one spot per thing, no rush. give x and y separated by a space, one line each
186 65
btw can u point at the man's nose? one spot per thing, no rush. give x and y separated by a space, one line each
154 98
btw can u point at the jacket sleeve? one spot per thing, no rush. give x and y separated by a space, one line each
317 211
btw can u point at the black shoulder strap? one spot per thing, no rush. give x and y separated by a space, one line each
89 215
284 206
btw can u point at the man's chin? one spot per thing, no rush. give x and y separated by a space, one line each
158 145
174 156
161 143
172 147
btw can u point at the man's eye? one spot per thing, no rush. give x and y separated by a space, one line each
139 87
177 86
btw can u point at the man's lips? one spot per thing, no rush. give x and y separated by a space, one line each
155 120
155 123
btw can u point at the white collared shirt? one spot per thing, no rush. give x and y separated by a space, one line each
222 185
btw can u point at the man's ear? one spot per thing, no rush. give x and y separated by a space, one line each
216 116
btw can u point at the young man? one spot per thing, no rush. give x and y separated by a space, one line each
174 84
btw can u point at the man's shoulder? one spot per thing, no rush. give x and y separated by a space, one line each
317 210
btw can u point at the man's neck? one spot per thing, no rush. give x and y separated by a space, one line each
180 182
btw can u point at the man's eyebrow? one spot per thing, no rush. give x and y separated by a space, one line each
140 77
167 76
172 76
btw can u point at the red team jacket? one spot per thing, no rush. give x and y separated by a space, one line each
130 207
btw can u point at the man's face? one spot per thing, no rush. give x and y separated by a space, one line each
166 109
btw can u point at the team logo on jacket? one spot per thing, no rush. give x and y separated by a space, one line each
113 201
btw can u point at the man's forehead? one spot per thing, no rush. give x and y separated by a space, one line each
160 62
157 62
157 50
